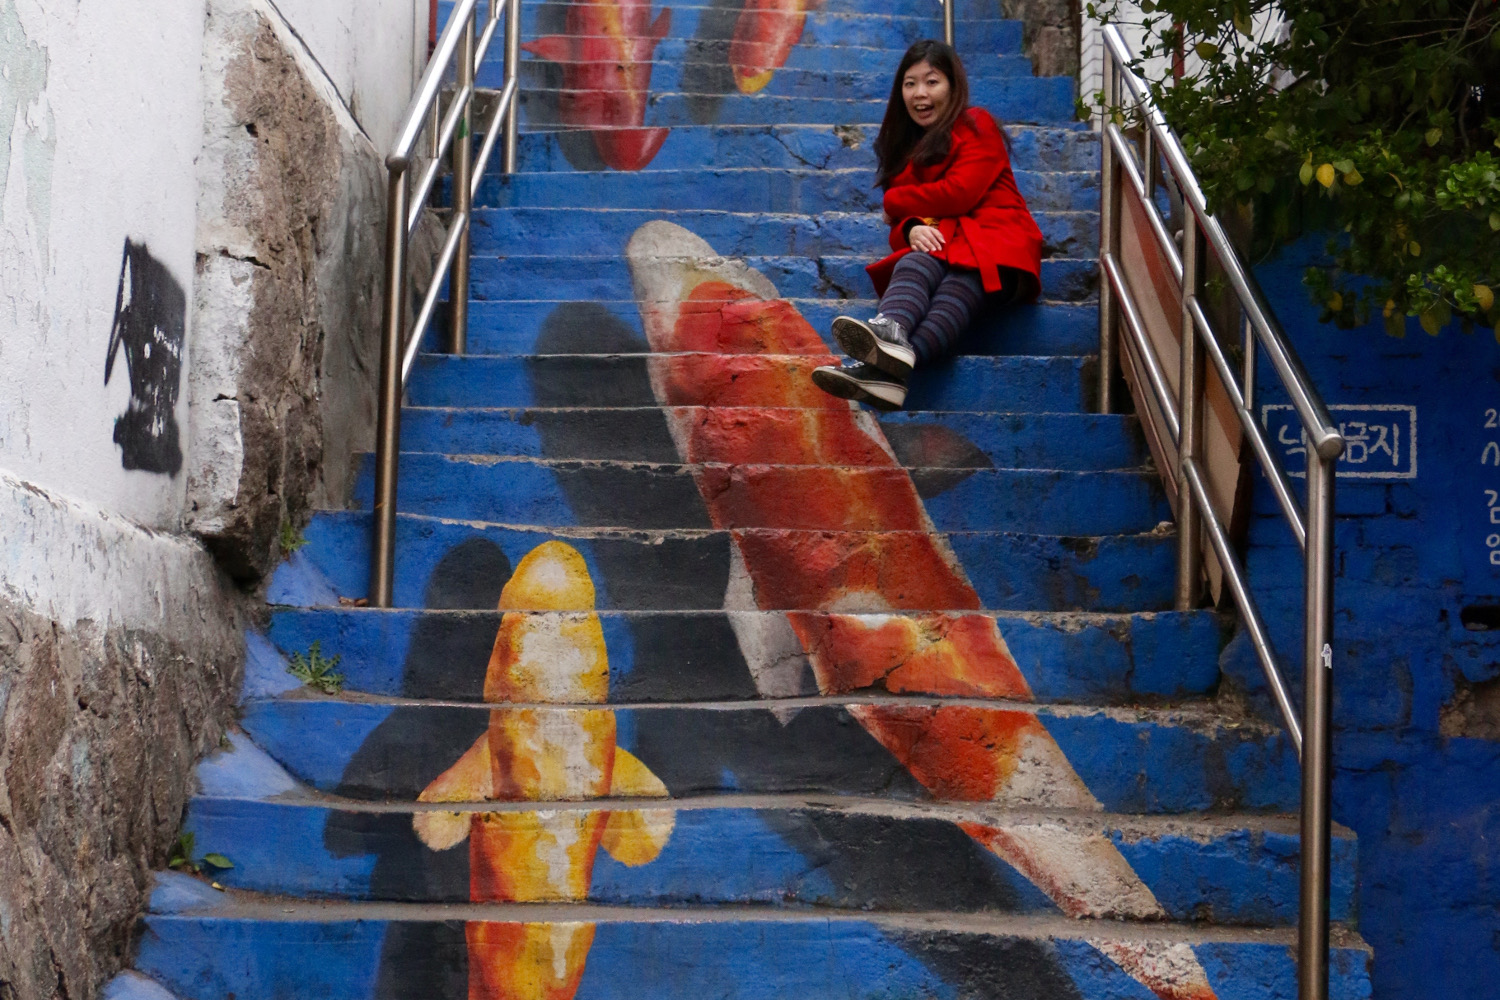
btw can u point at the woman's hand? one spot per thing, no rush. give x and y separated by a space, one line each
927 239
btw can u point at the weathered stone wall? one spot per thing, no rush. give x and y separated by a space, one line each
120 654
287 290
1051 34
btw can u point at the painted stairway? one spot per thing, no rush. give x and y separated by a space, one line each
704 684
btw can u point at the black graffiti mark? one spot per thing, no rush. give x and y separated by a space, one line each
150 324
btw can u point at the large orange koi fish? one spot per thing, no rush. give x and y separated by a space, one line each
543 754
691 300
764 35
606 59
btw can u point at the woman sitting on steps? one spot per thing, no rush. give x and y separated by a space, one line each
962 235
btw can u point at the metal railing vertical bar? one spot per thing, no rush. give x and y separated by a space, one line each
1234 575
1136 328
493 132
461 47
1275 472
1126 159
1197 518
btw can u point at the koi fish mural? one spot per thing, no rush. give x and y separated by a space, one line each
537 753
764 35
692 300
605 55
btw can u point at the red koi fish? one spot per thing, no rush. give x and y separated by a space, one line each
764 36
722 312
606 59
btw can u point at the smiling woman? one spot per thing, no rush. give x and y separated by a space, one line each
962 235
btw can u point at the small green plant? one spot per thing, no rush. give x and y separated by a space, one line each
182 858
316 670
290 538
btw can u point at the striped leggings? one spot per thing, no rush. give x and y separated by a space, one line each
935 303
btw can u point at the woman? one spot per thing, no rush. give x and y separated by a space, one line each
961 232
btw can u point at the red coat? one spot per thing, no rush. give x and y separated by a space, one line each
972 197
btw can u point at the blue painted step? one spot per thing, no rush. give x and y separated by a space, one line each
750 190
1074 441
281 947
864 28
782 853
796 146
596 232
825 277
690 570
1131 761
686 656
1018 383
917 9
541 327
637 495
1010 99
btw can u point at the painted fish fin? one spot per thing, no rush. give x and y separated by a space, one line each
470 779
636 836
553 48
661 25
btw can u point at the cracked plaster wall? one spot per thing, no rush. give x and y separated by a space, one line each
120 633
287 289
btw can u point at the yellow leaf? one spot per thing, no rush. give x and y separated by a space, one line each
1485 295
1206 50
1430 321
1352 178
1335 302
1414 248
1390 307
1326 175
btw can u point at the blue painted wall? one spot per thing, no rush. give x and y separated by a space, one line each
1418 777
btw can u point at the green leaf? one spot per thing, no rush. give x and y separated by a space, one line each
1434 136
1305 175
1206 50
1495 221
218 861
1343 166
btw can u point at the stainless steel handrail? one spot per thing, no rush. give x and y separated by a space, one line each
461 48
1313 530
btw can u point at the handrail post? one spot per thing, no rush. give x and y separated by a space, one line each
512 73
1109 241
463 170
948 22
1317 734
1189 444
388 394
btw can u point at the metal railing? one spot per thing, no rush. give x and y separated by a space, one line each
1125 175
462 46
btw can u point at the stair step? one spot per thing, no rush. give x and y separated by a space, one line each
1019 384
751 189
915 9
1015 755
675 656
782 852
550 493
1072 441
1009 98
793 147
864 28
531 327
597 232
714 76
590 278
250 947
689 570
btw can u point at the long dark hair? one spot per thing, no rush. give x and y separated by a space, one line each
901 140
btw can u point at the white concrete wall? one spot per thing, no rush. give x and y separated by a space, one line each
101 123
360 44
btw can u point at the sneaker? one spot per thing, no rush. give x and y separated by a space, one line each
863 383
880 342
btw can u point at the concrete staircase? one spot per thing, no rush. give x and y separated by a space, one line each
704 684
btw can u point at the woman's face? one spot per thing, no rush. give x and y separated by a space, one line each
926 92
